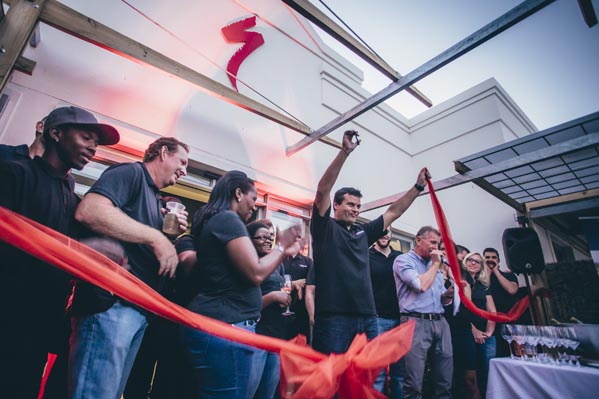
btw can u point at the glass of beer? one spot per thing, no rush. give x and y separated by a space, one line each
170 225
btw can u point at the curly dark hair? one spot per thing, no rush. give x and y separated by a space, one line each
171 143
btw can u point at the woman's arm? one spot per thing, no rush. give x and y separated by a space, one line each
490 324
242 253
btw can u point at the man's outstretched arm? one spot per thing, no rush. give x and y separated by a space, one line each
322 201
397 208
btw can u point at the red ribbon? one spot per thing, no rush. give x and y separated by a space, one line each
305 373
514 313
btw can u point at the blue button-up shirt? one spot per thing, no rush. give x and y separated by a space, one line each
407 269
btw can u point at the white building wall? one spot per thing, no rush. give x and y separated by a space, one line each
308 79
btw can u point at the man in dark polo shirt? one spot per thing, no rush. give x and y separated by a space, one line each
23 151
387 307
33 294
125 204
298 268
503 287
344 299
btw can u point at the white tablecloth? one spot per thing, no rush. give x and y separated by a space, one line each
510 378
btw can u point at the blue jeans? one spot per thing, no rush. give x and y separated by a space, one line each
270 376
334 334
488 351
223 369
103 349
396 370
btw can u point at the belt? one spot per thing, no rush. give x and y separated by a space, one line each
425 316
247 323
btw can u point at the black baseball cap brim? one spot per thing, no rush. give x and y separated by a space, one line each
108 135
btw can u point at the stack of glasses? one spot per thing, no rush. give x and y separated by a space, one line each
543 344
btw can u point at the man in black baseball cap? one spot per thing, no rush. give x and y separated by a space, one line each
33 294
83 119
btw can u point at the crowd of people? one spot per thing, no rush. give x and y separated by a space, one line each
244 274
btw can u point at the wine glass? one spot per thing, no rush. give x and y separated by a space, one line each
549 342
532 340
506 333
562 345
571 342
287 287
519 335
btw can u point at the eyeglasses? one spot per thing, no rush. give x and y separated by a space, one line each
263 238
475 261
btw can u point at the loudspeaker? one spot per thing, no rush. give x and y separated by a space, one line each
522 249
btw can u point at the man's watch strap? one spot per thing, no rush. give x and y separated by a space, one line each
419 187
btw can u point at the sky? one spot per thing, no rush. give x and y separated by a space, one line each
548 63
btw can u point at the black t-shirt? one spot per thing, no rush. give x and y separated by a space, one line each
311 278
503 300
31 291
224 293
383 283
185 287
272 321
298 268
479 297
131 189
14 152
342 267
184 243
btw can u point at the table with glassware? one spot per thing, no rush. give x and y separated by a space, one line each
544 363
512 378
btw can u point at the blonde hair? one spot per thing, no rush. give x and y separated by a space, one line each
482 275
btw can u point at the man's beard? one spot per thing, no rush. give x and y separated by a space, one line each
383 244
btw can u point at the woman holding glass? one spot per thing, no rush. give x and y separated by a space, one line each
274 301
228 279
475 343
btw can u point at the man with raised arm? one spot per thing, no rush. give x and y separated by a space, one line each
344 300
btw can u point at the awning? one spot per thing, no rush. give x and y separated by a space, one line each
560 162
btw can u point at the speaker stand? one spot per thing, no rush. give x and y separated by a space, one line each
534 311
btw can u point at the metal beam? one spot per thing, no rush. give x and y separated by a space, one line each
25 65
588 12
569 207
320 19
74 23
513 163
15 30
479 37
562 198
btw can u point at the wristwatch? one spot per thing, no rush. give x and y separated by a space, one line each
419 187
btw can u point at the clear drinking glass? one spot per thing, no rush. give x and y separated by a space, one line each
562 345
506 333
170 225
519 336
287 287
532 340
571 343
549 343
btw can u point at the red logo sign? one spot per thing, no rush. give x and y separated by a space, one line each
236 33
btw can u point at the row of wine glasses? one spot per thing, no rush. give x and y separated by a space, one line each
543 344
